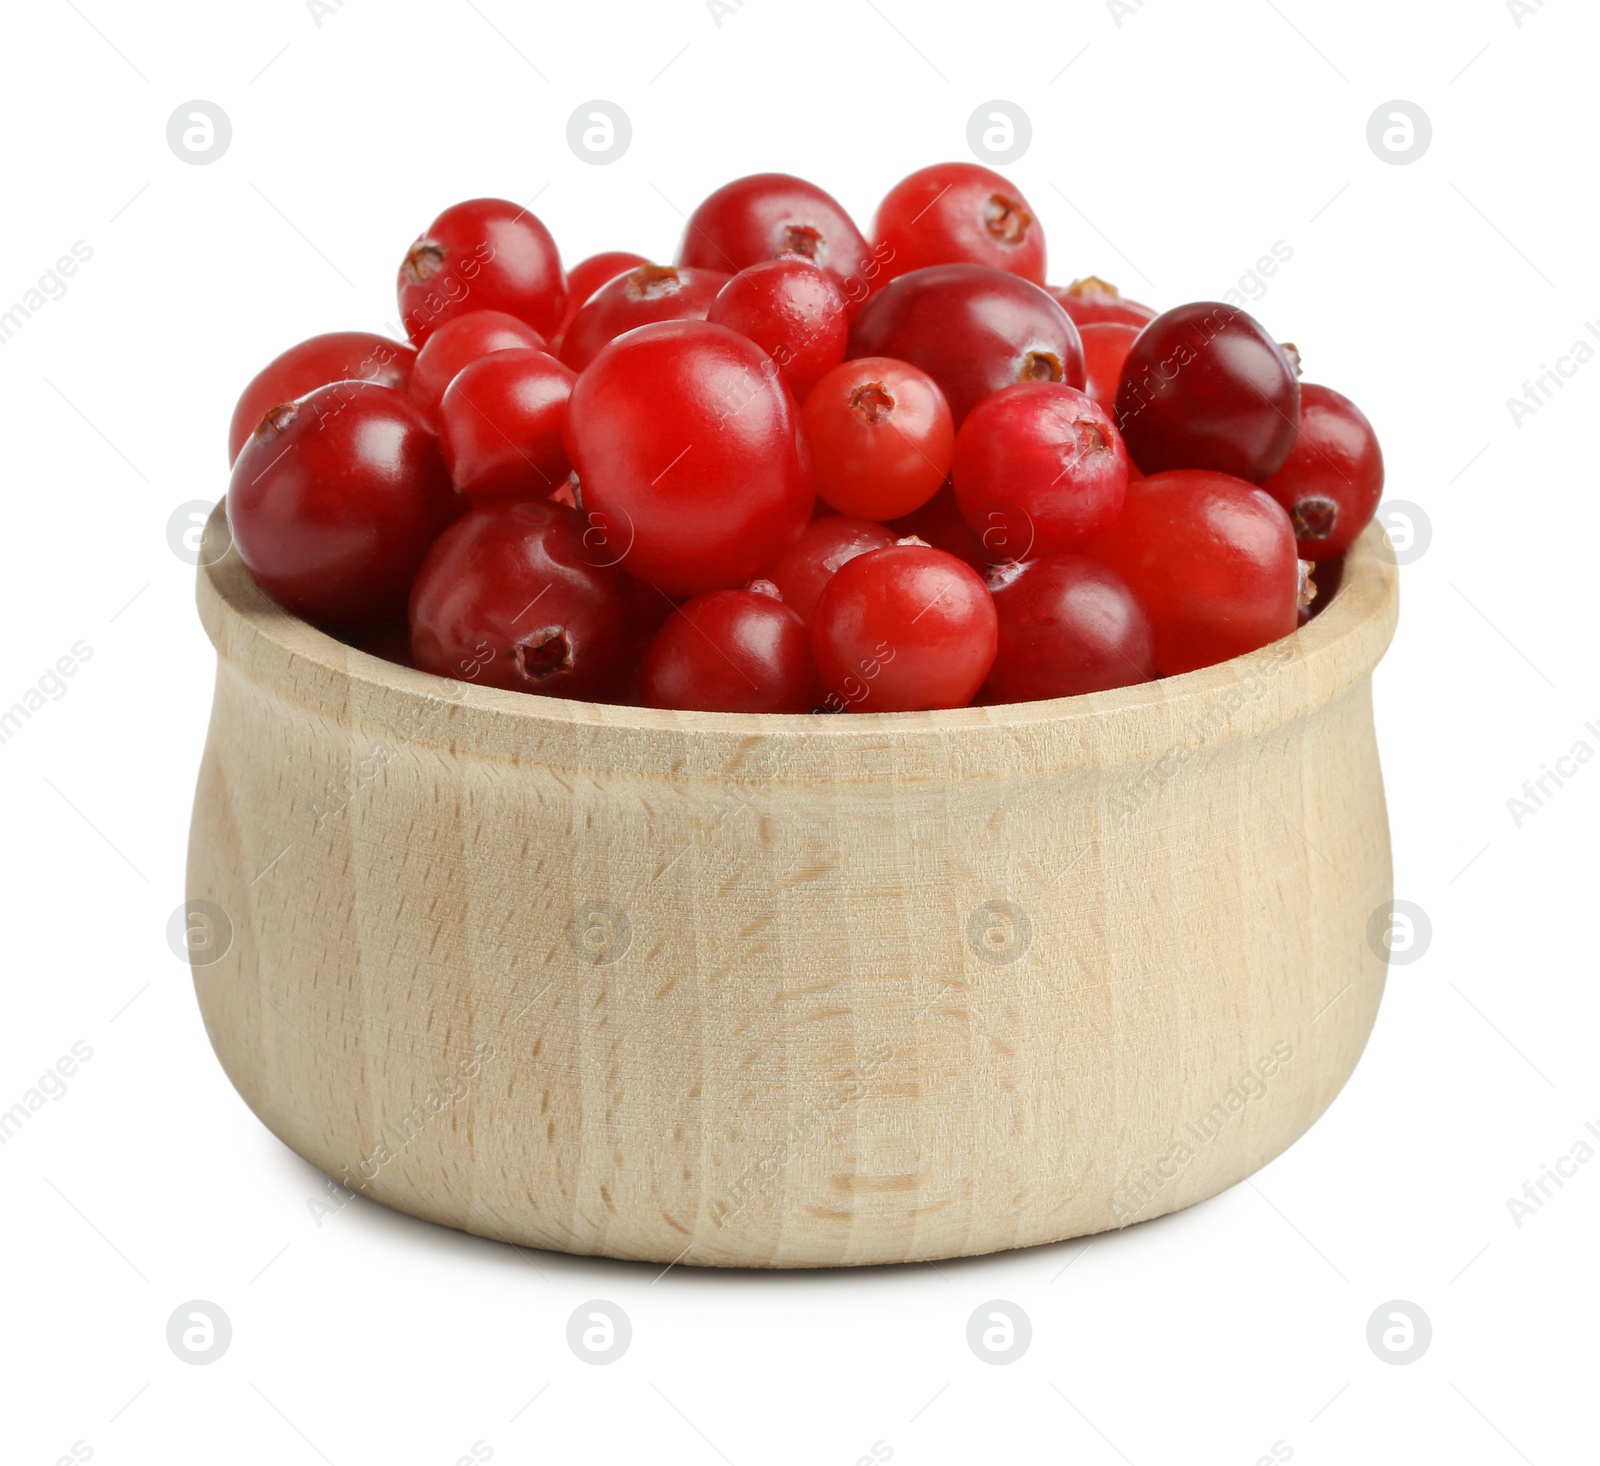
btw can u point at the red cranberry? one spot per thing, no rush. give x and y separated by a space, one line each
1068 625
1332 480
588 275
460 341
973 330
1092 301
339 356
1039 467
500 425
485 254
1205 387
958 213
335 499
646 293
793 311
1106 345
732 651
771 214
802 571
684 442
510 596
881 437
1211 558
902 629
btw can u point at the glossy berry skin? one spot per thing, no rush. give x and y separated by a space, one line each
685 444
958 213
767 215
1332 480
484 254
794 312
646 293
461 341
731 651
1039 466
1093 301
902 629
588 275
338 356
1212 560
500 426
1205 387
881 437
973 330
1068 625
511 596
335 499
1106 345
802 571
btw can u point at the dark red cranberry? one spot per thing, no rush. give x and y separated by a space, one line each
732 651
335 499
1204 386
973 329
511 596
1068 625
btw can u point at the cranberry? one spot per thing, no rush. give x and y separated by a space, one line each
1106 345
1211 558
1326 577
511 596
901 629
958 213
1332 480
1067 625
973 329
940 523
484 254
1093 301
771 214
500 425
685 444
732 651
881 437
588 275
339 356
646 293
1039 467
793 311
802 571
335 499
1205 387
460 341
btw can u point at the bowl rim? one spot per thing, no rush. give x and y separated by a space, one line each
271 645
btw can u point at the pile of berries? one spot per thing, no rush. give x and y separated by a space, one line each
799 469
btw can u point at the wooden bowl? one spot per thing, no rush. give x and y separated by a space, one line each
788 991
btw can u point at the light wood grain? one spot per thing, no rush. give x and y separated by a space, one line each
809 1048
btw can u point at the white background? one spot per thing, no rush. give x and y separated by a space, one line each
1169 153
